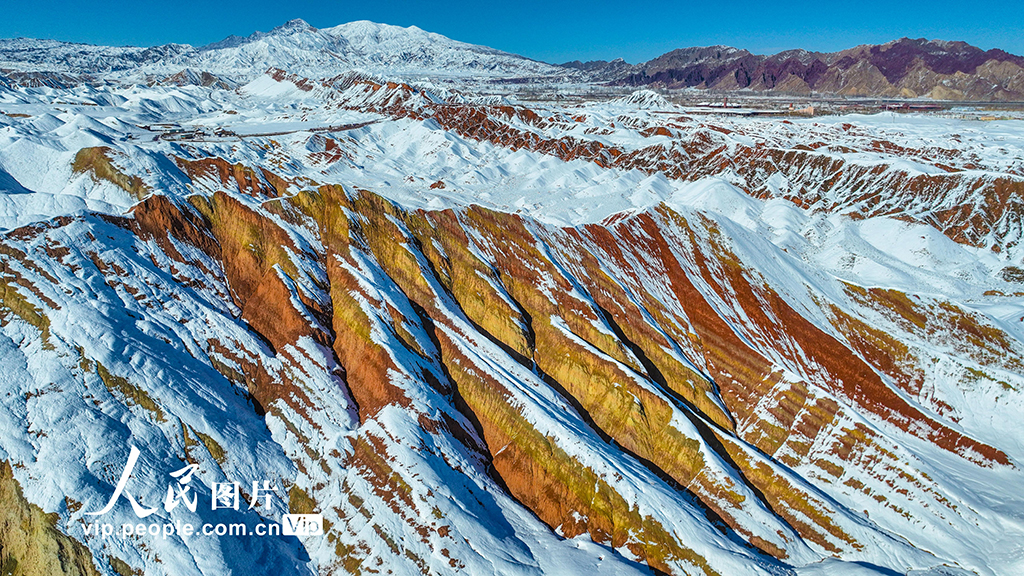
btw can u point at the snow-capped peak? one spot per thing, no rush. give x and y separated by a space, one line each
294 45
366 30
293 25
382 42
645 100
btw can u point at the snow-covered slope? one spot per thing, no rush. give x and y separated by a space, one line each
490 339
295 46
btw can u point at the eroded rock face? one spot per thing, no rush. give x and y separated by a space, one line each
480 390
664 378
959 194
32 544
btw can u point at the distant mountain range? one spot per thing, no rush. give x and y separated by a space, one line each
904 68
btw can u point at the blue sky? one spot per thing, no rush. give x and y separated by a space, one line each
549 30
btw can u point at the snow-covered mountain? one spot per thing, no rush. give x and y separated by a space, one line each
295 46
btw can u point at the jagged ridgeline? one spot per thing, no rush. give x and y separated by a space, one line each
485 338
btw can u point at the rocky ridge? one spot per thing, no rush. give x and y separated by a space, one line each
904 68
